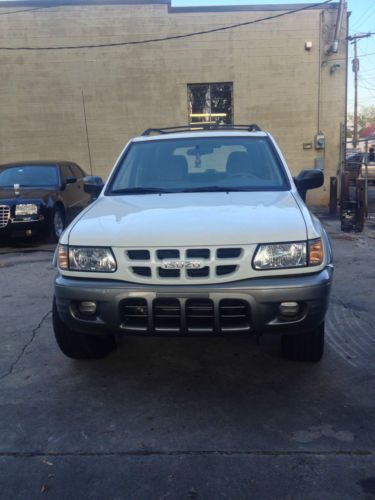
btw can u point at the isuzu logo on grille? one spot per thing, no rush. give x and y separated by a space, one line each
181 264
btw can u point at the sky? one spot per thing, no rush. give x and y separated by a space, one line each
362 20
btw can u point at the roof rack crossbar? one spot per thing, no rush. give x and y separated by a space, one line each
192 127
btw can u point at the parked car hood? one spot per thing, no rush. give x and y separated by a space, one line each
10 196
192 219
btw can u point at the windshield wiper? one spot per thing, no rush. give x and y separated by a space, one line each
140 190
200 189
209 189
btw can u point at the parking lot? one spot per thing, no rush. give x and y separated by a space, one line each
187 418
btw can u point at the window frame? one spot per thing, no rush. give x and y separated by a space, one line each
209 84
28 165
286 183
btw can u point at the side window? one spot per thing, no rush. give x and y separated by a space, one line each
77 171
66 172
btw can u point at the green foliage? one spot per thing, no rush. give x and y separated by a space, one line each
366 116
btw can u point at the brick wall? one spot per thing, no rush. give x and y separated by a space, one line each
276 83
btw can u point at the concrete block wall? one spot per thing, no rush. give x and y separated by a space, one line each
276 83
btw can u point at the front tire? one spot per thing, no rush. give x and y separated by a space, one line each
307 347
57 224
79 345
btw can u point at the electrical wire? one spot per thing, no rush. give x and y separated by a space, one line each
173 37
366 84
372 96
344 58
20 11
365 15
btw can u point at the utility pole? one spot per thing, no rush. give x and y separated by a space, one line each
355 67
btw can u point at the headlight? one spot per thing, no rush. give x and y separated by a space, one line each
92 259
280 255
26 209
289 255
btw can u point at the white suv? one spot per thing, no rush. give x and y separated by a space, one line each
195 233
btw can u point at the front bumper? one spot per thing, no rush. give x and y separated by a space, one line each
23 228
247 306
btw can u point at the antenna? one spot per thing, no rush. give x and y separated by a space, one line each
87 132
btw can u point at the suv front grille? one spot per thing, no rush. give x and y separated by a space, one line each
4 215
200 315
234 315
198 273
138 254
228 253
135 315
142 271
185 264
179 316
166 315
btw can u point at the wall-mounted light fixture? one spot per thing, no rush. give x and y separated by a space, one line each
334 68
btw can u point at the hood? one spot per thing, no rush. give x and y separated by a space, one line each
27 194
190 219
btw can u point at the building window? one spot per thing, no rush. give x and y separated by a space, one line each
210 103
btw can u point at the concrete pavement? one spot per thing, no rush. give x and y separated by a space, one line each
187 418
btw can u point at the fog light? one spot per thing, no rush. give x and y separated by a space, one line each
87 308
289 308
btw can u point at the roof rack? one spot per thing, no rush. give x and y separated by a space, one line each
196 127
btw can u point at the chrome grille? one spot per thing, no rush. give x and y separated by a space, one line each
4 215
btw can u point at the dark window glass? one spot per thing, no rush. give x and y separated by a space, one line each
76 171
210 103
233 163
29 176
66 172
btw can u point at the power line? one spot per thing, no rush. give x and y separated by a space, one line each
344 58
368 89
173 37
366 55
20 11
360 35
365 15
366 85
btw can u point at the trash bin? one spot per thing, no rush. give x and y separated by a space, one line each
350 216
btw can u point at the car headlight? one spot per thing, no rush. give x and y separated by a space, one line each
92 259
26 209
289 255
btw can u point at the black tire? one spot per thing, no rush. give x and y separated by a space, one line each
56 224
308 347
78 345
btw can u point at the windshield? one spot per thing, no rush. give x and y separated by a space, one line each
29 176
199 164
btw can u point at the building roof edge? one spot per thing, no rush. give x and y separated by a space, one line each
175 10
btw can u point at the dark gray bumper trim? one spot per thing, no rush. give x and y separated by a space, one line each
262 294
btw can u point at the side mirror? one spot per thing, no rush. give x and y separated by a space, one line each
70 180
93 184
308 179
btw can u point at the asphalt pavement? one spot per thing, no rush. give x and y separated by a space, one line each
187 418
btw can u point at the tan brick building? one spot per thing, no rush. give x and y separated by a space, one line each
279 73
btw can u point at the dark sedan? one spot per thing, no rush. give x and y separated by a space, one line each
40 197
